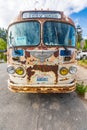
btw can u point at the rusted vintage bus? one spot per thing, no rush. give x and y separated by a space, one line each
41 53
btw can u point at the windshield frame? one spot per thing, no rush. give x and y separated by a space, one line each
59 45
11 45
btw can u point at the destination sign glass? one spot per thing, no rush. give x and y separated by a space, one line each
41 14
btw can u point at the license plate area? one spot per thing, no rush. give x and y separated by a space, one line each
42 79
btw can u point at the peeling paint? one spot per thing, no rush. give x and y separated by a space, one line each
41 64
43 68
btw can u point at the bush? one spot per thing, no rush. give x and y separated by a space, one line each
3 44
81 88
83 63
3 57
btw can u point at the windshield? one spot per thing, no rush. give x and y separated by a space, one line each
61 34
24 34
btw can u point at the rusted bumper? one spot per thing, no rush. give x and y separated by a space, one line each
43 89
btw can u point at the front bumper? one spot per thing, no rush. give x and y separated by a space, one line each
63 88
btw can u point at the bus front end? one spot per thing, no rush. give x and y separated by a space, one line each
41 53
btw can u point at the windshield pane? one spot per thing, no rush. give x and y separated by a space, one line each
56 33
24 34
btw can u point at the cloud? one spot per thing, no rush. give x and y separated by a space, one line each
10 8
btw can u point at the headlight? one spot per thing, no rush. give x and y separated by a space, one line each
63 71
72 69
11 70
19 71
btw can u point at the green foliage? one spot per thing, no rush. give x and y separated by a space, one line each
1 56
4 57
85 46
3 44
81 88
83 63
79 33
78 46
86 41
3 33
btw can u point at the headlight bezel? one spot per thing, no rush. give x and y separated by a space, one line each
11 69
64 71
19 71
72 70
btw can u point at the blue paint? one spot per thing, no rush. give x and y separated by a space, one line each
17 53
42 79
65 53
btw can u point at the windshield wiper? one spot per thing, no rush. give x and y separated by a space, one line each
65 47
15 50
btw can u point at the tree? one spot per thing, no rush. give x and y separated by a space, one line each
85 46
79 33
3 44
3 33
79 37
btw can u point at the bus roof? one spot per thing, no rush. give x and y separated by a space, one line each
42 14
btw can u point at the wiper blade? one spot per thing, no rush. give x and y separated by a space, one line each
65 47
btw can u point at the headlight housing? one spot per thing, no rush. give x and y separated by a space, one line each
64 71
19 71
72 70
11 70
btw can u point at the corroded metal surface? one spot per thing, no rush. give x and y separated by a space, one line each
63 18
43 68
42 54
41 64
42 89
34 68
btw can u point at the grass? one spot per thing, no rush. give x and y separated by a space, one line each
81 88
3 57
83 63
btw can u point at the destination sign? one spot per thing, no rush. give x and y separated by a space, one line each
41 14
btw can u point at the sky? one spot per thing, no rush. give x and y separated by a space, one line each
76 9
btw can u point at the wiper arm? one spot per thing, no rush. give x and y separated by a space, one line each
15 50
65 47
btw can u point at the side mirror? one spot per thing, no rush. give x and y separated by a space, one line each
3 50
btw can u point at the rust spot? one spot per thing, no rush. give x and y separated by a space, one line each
56 54
15 58
43 89
27 54
43 68
30 72
12 82
23 62
42 47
